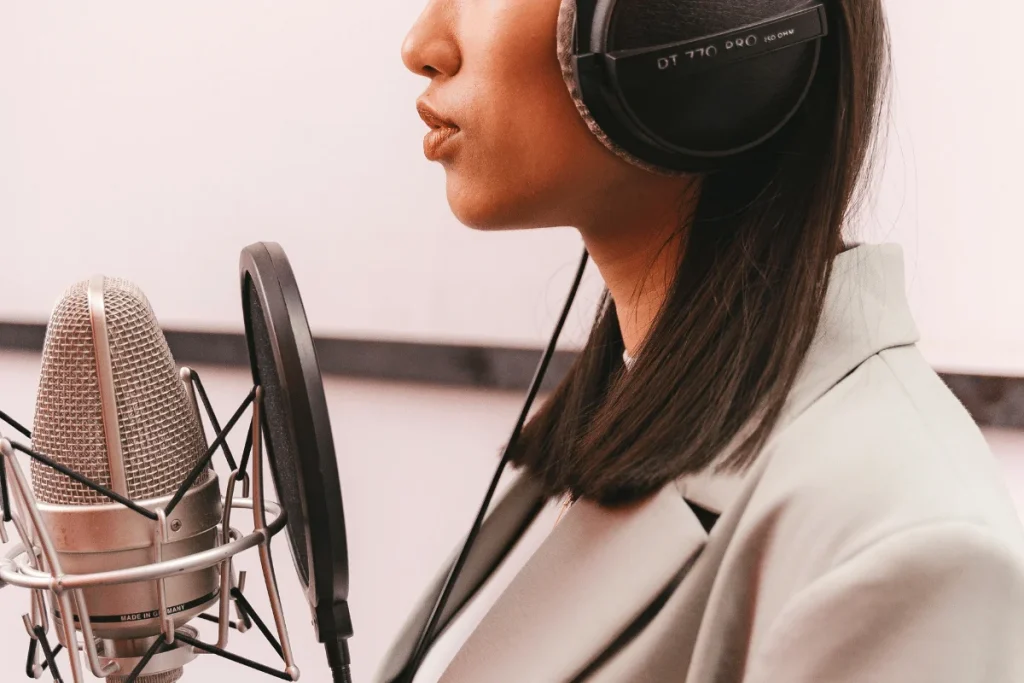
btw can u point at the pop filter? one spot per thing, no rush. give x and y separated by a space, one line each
298 440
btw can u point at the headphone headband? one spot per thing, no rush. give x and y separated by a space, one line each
659 64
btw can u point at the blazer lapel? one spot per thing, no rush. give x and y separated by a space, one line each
614 562
504 526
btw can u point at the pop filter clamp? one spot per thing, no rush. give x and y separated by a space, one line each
34 563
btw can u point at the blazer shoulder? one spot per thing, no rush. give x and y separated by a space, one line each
888 448
953 583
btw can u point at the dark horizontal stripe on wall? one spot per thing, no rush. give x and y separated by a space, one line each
445 364
22 337
992 401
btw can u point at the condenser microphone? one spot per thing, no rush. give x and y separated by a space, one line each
112 406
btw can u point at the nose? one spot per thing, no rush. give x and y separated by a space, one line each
430 48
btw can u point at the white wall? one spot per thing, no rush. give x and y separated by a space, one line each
950 191
149 139
136 138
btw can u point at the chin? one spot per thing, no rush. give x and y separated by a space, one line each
480 212
481 209
483 220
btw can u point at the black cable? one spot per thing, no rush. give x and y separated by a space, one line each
30 663
158 646
85 481
246 452
103 490
249 611
216 620
231 656
5 497
48 653
423 644
56 651
201 390
205 460
4 417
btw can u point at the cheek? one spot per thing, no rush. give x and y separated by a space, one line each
528 151
523 172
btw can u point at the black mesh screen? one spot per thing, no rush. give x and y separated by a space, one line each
280 444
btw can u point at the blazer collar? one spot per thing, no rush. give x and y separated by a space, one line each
865 312
600 569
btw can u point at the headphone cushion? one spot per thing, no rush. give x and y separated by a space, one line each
566 26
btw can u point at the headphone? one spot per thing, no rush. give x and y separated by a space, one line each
686 86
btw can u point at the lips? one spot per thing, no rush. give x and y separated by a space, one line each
442 130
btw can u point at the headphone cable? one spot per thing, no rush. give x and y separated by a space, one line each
423 644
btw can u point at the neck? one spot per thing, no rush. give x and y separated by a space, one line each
637 251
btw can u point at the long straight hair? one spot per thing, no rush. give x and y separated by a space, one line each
715 371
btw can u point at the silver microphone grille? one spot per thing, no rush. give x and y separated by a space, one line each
160 434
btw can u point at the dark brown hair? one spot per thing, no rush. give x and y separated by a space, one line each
729 342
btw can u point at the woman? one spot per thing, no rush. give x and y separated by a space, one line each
768 482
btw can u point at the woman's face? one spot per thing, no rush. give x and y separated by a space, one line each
515 150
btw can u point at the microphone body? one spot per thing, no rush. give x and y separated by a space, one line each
102 538
112 406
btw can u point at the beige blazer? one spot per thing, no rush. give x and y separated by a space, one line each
873 540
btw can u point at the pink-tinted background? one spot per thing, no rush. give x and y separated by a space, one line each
153 140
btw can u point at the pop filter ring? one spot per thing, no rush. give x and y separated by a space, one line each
297 426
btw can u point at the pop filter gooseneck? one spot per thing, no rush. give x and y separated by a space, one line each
299 444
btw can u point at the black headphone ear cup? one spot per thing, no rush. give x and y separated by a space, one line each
565 31
726 111
698 122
